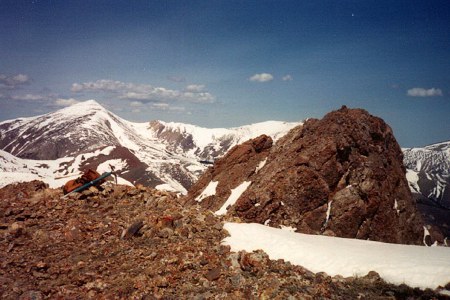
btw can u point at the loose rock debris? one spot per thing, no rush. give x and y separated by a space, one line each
141 243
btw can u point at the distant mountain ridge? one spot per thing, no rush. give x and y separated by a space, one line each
157 154
161 154
429 171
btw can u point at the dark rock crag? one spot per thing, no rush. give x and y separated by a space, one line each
339 176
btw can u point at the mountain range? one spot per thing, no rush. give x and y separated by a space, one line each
429 172
58 146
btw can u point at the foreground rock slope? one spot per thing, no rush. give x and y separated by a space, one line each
139 243
341 176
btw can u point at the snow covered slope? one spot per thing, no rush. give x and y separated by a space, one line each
159 154
429 171
54 172
416 266
210 143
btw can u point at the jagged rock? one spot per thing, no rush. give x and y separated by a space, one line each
31 295
132 230
213 274
342 176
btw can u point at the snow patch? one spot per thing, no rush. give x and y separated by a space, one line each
396 207
288 228
260 165
413 179
235 194
118 164
171 185
418 165
210 190
416 266
14 177
328 212
166 187
123 181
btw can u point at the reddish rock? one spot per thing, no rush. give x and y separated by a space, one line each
230 171
342 176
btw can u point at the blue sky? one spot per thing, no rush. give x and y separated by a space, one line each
231 63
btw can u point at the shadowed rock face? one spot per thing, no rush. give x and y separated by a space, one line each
341 176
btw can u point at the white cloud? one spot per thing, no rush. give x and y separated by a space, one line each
29 97
136 104
202 97
421 92
20 78
196 88
161 105
287 78
145 92
263 77
12 82
167 107
65 102
102 85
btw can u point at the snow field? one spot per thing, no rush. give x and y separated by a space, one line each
416 266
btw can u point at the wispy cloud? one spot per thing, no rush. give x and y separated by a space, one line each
49 99
262 77
136 104
30 97
65 102
12 82
167 107
287 77
145 92
195 88
421 92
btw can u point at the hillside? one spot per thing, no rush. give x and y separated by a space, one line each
139 243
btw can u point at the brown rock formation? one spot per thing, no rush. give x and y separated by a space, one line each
239 164
342 175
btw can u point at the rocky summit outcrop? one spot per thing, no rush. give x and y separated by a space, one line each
340 176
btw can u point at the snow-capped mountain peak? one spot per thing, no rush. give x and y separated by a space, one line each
155 153
428 173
